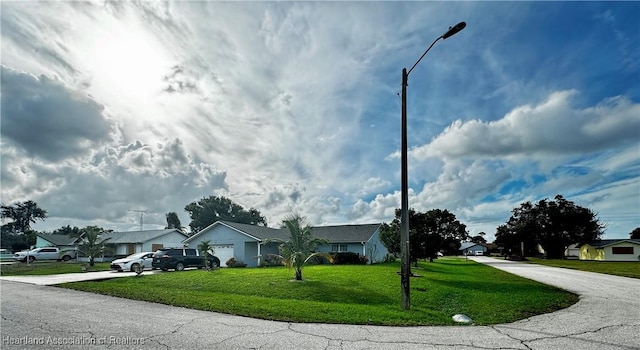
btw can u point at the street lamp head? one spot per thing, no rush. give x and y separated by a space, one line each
454 30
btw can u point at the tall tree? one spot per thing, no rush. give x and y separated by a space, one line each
635 234
211 209
519 232
173 221
429 233
23 215
553 225
390 236
479 238
16 242
68 230
301 246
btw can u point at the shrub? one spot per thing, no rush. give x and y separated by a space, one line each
389 258
232 262
319 260
346 258
516 258
270 260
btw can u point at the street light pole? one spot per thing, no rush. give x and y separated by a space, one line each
405 269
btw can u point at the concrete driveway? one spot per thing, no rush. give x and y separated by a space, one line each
37 317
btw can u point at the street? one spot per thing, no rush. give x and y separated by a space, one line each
42 317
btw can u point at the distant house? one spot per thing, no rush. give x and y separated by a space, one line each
249 242
572 251
611 250
130 242
53 240
470 248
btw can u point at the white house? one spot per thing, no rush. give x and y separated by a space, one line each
611 250
572 251
470 248
249 242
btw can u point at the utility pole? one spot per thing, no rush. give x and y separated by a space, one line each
141 213
405 266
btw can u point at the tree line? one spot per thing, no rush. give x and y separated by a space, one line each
17 234
550 224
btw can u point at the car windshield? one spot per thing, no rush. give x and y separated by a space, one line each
137 255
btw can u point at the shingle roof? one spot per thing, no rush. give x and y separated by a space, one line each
345 233
334 234
608 242
467 245
136 236
259 232
58 239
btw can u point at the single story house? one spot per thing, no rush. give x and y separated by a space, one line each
60 241
249 243
611 250
130 242
572 251
470 248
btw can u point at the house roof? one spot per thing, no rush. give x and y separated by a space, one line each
334 234
58 239
345 233
607 242
137 236
467 245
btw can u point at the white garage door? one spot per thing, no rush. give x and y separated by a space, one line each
224 252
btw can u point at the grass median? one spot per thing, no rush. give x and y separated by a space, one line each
347 294
618 268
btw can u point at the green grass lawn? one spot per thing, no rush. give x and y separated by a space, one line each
618 268
351 294
48 268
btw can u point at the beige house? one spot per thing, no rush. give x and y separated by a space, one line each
130 242
611 250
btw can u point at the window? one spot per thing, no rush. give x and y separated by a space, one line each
48 250
338 248
175 252
622 250
191 252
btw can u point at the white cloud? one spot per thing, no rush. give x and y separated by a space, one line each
292 106
552 127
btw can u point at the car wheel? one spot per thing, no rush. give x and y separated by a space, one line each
66 258
179 267
164 269
134 267
213 264
32 259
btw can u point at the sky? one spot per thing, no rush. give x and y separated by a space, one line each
112 108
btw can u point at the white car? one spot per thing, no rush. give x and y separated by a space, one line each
131 262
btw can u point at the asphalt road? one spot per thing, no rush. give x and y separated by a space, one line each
44 317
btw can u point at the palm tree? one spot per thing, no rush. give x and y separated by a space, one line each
204 247
301 246
90 243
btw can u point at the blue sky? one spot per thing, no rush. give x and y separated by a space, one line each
109 107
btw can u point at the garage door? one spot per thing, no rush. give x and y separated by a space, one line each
224 252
